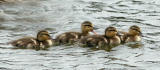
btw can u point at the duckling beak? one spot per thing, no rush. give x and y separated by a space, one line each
141 34
94 32
95 28
49 36
52 32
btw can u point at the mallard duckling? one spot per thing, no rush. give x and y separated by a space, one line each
134 34
42 41
110 38
72 37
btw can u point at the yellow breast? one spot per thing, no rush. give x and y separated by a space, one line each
50 43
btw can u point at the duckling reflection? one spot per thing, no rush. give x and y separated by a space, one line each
110 38
42 41
134 34
72 37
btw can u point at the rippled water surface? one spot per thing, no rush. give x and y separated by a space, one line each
26 17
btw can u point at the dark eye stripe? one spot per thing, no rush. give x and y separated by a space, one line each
88 25
111 30
45 34
136 30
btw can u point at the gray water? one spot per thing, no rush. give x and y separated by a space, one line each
21 18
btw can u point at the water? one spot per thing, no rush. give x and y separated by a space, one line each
21 18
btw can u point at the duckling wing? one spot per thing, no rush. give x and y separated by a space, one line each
27 42
93 40
68 37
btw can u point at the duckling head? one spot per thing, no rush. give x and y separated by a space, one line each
110 32
43 35
135 30
87 27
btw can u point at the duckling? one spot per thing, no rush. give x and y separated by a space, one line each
72 37
110 38
42 41
134 34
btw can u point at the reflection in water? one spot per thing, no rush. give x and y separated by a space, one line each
134 44
27 17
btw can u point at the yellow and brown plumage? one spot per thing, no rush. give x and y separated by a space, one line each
110 38
134 34
71 37
1 1
42 41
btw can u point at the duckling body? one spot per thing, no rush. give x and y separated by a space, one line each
42 41
27 42
114 41
94 40
72 37
134 34
110 38
68 37
130 38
